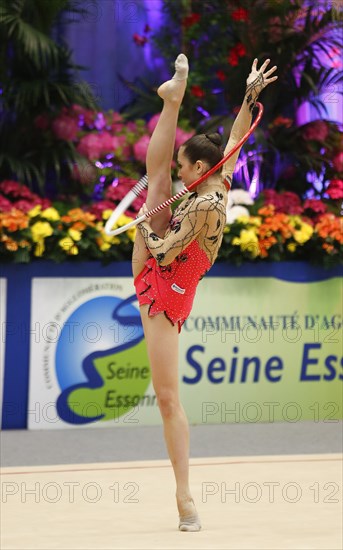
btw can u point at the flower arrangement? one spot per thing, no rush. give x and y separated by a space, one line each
275 227
111 151
301 37
279 226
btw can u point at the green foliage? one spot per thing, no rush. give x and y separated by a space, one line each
36 75
221 38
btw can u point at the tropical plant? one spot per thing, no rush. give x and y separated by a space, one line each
221 38
36 74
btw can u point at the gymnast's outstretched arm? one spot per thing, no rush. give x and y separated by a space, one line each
256 81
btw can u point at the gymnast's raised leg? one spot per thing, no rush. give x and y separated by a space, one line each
161 336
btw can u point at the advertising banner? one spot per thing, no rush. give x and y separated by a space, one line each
263 350
88 359
252 350
3 284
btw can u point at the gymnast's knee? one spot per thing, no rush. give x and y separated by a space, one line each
168 403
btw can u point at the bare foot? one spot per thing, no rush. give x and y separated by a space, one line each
174 89
189 519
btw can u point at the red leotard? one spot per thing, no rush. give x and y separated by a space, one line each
171 289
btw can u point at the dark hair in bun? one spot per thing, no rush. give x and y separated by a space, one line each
205 147
215 138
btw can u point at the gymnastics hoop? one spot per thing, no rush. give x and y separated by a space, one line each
143 182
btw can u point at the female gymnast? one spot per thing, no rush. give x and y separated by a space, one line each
172 252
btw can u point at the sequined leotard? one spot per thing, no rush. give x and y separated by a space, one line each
171 289
170 277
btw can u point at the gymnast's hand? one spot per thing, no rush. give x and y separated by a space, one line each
259 79
143 211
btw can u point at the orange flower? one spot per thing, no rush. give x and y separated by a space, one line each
267 210
330 226
14 220
78 215
278 223
265 244
79 226
10 244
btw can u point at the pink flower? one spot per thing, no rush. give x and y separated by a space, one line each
24 205
140 148
286 202
153 123
119 189
45 203
317 131
65 127
337 162
15 189
182 136
84 115
316 205
291 203
117 122
139 201
98 208
5 204
108 143
335 189
90 146
131 126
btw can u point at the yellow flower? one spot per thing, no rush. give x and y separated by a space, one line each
255 220
35 211
248 241
292 247
50 214
104 246
304 233
75 234
106 241
226 229
39 248
295 221
69 246
243 219
106 214
40 230
123 220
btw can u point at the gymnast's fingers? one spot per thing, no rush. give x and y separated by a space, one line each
271 71
254 65
264 66
269 80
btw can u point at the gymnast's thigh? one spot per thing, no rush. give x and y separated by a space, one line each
162 340
140 254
